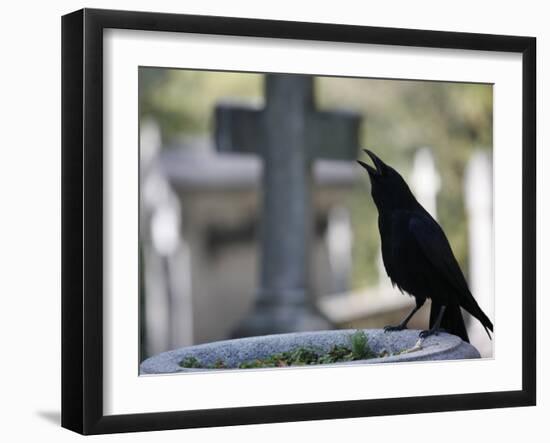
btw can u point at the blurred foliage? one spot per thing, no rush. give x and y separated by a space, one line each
181 101
400 116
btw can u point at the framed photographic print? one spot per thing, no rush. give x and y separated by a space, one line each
269 221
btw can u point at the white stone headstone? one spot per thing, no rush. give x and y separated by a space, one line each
425 180
168 311
478 193
339 241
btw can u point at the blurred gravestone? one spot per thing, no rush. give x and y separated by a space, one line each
339 238
219 196
478 192
288 134
425 180
166 312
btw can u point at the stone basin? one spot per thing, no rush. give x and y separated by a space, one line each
402 346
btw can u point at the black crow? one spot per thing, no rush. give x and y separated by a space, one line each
417 255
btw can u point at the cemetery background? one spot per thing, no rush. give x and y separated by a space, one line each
200 209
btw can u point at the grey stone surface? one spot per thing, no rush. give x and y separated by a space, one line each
439 347
190 168
288 134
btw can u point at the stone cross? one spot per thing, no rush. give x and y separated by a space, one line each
288 134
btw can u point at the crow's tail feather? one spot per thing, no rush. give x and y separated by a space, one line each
452 321
473 308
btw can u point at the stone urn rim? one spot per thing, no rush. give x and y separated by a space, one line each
402 346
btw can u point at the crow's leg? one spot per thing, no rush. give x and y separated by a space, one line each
435 328
403 324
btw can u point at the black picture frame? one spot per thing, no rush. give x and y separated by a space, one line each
82 220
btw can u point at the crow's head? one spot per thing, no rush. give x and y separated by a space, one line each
388 189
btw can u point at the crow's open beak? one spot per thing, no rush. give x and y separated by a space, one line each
378 164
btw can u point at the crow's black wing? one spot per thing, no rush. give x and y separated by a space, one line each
435 247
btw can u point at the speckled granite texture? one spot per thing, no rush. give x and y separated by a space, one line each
440 347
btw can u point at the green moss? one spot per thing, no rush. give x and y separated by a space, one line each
220 364
358 349
191 362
